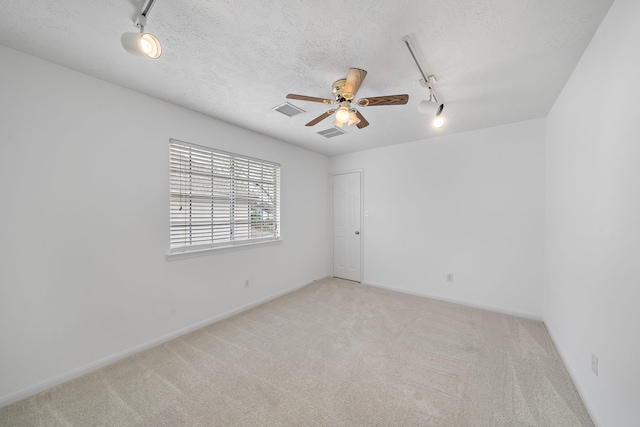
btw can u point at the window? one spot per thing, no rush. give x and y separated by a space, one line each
220 199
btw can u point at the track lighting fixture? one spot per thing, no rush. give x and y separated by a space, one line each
144 44
432 106
438 122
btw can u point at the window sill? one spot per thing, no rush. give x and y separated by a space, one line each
218 249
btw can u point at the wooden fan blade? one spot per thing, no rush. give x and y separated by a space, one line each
320 118
310 98
363 123
354 80
384 100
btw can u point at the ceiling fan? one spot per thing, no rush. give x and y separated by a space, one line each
344 91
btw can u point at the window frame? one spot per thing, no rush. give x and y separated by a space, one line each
233 202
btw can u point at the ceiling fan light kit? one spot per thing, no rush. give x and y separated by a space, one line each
351 120
143 44
344 92
353 117
343 113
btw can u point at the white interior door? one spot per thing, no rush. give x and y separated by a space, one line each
346 226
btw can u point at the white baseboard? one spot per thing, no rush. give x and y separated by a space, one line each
75 373
574 378
459 301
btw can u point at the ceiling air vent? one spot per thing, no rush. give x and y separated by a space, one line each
331 132
288 109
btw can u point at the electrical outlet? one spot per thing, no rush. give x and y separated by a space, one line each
246 283
594 364
449 277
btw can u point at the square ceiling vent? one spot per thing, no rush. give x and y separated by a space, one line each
331 132
288 109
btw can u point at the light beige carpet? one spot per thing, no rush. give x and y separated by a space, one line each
335 353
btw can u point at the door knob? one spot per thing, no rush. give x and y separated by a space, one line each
357 232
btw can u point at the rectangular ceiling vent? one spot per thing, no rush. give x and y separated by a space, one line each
331 132
288 109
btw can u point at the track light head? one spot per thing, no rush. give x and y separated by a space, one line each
143 44
430 108
438 122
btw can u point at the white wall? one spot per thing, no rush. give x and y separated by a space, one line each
469 204
84 224
592 250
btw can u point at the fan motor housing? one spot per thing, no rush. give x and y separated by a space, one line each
338 89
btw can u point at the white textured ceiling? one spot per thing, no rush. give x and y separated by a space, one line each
496 61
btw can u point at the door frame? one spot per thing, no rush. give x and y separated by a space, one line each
362 233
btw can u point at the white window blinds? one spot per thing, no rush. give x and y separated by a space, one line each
220 199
